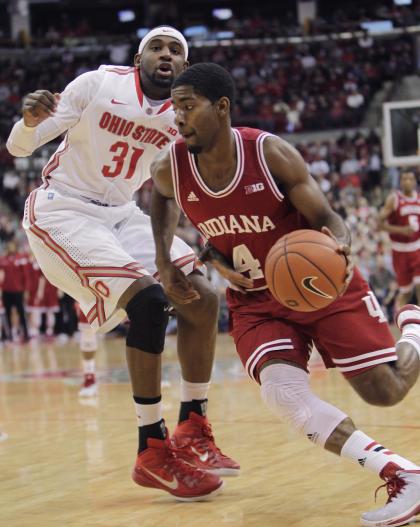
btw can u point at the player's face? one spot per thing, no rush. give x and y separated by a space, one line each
162 60
408 182
196 117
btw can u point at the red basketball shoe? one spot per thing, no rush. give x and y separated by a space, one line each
89 387
195 444
160 467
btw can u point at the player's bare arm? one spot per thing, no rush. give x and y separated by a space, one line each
385 213
225 269
38 106
289 170
165 216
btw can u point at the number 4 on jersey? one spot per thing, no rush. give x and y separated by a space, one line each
122 149
243 262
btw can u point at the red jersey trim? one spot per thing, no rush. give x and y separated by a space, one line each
264 167
139 91
236 178
55 160
122 70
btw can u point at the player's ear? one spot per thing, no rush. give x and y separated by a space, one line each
223 106
137 59
185 66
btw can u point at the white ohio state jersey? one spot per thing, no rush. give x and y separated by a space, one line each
112 134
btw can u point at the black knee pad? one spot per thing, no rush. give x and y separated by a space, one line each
148 314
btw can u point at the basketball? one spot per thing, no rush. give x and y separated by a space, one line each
303 270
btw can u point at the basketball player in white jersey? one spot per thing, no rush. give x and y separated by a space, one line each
94 243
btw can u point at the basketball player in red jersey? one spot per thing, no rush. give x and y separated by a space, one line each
93 242
400 217
243 189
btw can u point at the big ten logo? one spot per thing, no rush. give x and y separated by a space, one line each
373 307
172 131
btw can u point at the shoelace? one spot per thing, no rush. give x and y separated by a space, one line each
208 435
181 467
393 486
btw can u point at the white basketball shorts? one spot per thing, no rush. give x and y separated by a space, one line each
94 253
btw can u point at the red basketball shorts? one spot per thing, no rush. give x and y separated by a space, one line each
351 334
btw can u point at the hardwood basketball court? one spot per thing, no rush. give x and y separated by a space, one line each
66 463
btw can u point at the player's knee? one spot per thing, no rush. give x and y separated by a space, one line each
284 403
148 315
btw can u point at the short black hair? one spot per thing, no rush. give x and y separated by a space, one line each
209 80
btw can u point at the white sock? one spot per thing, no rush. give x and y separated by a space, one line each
373 456
411 335
88 339
148 414
88 366
194 390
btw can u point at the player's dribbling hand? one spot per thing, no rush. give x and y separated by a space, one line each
177 286
345 250
38 106
238 281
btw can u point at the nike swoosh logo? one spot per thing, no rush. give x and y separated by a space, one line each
307 284
169 484
114 101
203 457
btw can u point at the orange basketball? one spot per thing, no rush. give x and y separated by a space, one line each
303 270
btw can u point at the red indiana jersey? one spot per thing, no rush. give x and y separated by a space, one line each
406 212
246 218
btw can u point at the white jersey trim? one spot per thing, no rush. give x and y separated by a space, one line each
264 166
409 247
236 178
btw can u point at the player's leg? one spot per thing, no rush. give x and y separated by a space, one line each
88 345
80 253
197 328
403 267
197 331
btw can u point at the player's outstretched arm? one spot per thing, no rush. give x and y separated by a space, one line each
289 170
164 213
46 115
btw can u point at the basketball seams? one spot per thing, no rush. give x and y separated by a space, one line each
286 254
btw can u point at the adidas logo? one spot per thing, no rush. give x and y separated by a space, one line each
192 197
362 461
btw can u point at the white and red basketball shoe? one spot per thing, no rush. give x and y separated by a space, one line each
194 441
89 387
403 501
160 467
408 321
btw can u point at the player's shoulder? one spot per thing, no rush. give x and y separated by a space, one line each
116 70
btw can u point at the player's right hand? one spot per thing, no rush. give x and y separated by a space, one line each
176 285
407 230
38 106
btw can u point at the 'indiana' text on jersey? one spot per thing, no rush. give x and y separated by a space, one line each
246 218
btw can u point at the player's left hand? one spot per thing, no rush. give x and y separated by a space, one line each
238 281
345 250
176 285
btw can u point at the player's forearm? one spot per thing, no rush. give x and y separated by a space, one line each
392 229
165 216
337 226
23 140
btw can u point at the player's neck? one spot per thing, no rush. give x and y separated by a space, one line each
217 164
409 193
